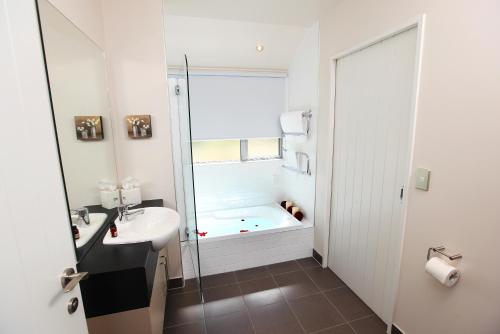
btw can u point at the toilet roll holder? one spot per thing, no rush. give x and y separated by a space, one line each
440 250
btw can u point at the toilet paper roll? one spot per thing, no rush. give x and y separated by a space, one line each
442 271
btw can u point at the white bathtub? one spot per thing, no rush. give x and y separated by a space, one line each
243 222
249 237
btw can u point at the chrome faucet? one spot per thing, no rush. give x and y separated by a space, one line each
82 215
125 213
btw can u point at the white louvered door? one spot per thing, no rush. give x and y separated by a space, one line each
373 128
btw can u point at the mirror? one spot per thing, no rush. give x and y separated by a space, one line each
76 71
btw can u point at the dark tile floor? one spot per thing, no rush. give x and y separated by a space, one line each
293 297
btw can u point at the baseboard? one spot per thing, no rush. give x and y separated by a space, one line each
175 283
317 257
395 330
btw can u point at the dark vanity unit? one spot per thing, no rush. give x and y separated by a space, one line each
126 289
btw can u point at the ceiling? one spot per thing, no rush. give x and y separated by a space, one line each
283 12
226 43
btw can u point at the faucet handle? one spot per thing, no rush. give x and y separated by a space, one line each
82 213
123 210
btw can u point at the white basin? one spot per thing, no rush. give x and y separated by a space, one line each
157 225
88 231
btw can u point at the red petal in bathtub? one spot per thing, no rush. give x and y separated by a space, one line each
201 234
244 231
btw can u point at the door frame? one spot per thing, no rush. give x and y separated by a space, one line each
37 244
419 24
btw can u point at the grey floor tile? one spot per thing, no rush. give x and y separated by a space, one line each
308 262
190 285
325 279
183 308
283 267
370 325
273 318
233 323
262 291
315 313
223 279
296 284
348 303
341 329
288 328
223 300
196 328
252 273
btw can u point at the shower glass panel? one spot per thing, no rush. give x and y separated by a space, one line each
182 91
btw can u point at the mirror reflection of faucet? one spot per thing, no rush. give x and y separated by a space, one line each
79 216
125 214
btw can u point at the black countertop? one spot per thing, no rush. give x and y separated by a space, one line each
121 276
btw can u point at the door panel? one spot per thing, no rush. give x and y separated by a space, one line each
373 117
36 244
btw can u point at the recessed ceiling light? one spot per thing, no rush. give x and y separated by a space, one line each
259 47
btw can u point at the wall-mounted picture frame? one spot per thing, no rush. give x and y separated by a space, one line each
89 128
139 126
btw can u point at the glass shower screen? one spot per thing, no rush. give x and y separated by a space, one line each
184 122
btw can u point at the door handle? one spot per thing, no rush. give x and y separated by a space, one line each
70 279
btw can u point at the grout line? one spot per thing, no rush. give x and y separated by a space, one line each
362 318
202 300
310 267
288 304
327 328
245 305
332 304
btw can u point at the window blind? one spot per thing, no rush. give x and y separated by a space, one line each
233 107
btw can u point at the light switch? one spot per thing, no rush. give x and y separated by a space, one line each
423 175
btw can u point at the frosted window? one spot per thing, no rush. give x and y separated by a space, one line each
216 151
263 148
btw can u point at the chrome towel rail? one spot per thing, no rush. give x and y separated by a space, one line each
298 157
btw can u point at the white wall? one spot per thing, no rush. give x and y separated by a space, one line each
136 55
457 136
303 88
221 186
285 12
225 43
86 15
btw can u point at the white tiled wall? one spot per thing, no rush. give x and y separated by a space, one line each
303 95
252 251
235 185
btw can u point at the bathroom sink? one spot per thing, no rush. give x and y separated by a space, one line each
157 225
88 231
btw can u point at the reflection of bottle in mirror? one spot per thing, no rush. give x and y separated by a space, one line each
114 230
76 232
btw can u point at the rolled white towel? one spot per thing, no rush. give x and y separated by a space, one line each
293 122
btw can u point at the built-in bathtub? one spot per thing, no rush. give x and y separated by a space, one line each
242 238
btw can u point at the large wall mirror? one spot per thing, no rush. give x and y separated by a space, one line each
76 72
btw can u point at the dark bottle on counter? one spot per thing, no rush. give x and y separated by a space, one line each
114 230
76 232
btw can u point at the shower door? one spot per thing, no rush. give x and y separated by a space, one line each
184 121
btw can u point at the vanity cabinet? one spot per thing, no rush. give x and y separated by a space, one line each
146 320
159 295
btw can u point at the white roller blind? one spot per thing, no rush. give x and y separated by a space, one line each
232 107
